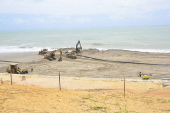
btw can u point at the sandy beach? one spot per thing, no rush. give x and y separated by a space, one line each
126 64
87 85
90 56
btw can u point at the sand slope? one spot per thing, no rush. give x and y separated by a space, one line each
32 99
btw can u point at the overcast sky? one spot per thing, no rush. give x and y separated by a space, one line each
54 14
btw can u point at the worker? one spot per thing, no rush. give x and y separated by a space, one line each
140 74
31 68
2 81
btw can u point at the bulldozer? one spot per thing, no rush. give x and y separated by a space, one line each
15 69
44 51
50 55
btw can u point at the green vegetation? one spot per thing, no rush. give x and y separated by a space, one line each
117 104
98 107
87 97
161 101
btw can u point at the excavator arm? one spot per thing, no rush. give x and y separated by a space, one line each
78 48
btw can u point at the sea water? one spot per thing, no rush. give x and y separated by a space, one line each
143 39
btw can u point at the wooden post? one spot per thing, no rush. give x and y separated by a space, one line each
11 77
59 82
124 87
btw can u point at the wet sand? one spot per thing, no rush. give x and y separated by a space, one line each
6 59
126 64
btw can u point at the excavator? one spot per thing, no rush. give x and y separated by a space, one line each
78 47
44 51
15 69
50 55
72 54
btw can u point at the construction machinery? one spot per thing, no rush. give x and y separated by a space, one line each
44 51
50 55
78 47
15 69
71 55
144 76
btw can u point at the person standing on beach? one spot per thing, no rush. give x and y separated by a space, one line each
140 74
31 68
2 81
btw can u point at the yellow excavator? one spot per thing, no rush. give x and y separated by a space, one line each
50 55
15 69
71 55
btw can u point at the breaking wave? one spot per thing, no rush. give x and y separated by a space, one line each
21 49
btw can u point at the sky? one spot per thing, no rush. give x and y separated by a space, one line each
59 14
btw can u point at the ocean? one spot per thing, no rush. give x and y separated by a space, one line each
143 39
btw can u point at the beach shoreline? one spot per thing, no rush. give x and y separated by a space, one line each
126 64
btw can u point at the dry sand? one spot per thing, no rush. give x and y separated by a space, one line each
100 96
